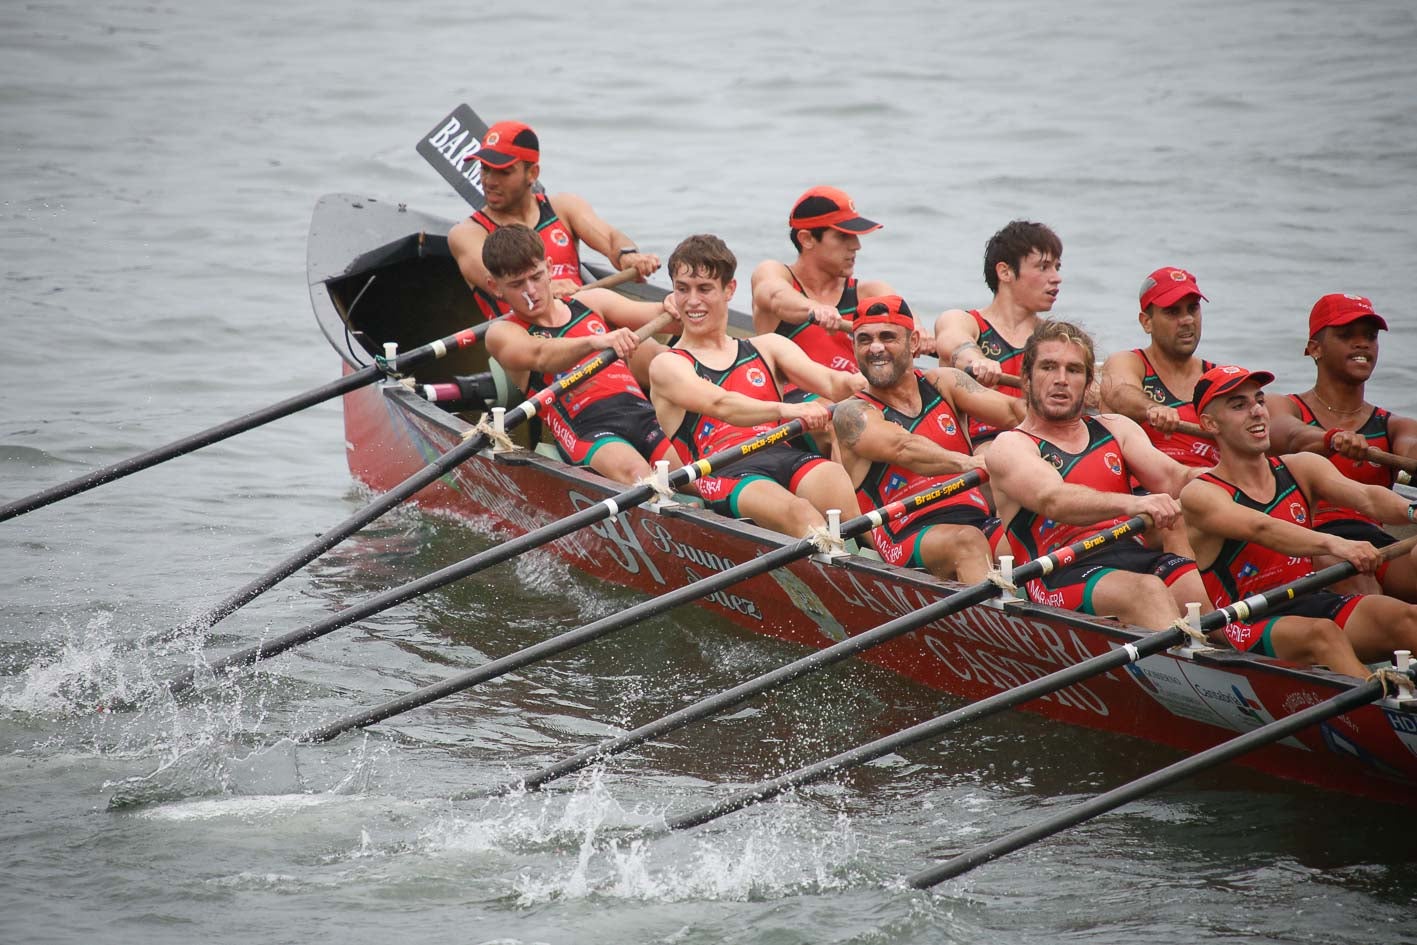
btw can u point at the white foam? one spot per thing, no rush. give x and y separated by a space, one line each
243 807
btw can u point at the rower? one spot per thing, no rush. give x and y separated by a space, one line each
1334 418
1251 523
904 434
1153 385
814 300
606 423
510 157
715 392
1023 269
1060 476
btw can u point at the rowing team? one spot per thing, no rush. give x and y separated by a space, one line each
1244 499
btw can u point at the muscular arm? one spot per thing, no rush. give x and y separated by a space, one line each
517 350
623 311
1026 479
465 241
973 398
791 363
676 388
957 339
1288 433
1213 516
600 235
775 300
1403 434
867 435
1322 480
1121 391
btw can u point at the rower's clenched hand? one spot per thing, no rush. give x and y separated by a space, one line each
1352 445
622 340
814 414
827 317
672 307
1162 419
1361 554
1163 509
643 263
986 371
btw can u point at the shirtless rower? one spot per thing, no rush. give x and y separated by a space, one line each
606 423
713 392
1334 417
1060 476
511 163
903 435
1153 385
1251 524
1023 268
821 285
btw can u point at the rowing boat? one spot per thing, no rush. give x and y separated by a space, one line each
381 273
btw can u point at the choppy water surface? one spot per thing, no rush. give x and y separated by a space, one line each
157 171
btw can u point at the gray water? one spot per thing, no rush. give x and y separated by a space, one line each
158 164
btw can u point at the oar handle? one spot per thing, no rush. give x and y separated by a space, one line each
1393 461
699 468
653 327
1194 429
400 364
628 274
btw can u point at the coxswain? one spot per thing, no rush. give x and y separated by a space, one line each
905 433
1023 269
714 392
1334 418
1251 523
1060 476
510 158
606 422
1153 385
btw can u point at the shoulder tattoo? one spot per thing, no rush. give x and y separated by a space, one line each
850 421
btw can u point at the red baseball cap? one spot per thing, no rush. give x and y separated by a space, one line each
883 310
1340 309
828 206
1222 379
506 143
1168 285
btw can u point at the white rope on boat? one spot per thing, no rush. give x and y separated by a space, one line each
826 544
501 442
662 493
1198 639
1392 680
1003 582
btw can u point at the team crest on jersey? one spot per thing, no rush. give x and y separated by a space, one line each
596 327
560 238
895 482
1054 458
990 348
1247 570
1297 513
756 377
1114 463
947 424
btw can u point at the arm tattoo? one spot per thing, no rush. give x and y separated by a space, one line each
966 382
850 422
961 348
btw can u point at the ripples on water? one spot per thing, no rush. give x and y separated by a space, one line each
155 185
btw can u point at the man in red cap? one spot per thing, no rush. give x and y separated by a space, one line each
1250 522
813 300
1153 385
713 392
1334 418
904 434
1059 477
1022 267
510 158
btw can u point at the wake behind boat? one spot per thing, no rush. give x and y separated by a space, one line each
380 273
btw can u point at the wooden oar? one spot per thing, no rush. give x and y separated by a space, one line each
1359 695
350 382
1244 610
602 510
714 704
593 631
429 474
